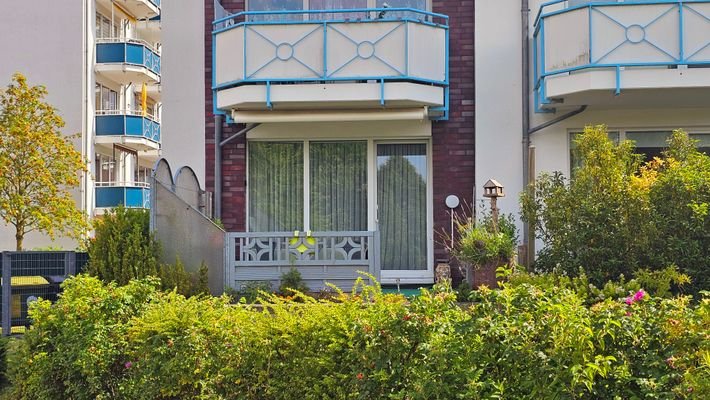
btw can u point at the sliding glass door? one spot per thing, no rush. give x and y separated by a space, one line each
402 208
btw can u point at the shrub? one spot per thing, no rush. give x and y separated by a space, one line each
291 281
481 241
616 216
249 292
124 248
525 341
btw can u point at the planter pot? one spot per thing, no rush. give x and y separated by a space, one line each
479 275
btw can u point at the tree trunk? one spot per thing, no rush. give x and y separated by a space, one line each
19 237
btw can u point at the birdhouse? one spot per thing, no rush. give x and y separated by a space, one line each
493 189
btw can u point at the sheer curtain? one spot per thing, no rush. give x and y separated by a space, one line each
338 186
275 186
401 204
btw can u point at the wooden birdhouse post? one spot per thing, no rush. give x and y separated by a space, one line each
493 190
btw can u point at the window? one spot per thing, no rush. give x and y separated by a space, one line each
292 5
106 99
649 143
119 169
105 29
336 185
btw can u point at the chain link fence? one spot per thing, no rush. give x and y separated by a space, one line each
30 275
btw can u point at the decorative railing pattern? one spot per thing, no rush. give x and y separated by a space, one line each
379 44
321 256
128 51
574 36
113 194
125 123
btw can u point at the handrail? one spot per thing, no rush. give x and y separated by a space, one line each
135 113
128 40
541 14
123 184
368 11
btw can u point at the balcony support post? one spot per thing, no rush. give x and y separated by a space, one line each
528 236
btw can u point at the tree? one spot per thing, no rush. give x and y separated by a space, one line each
38 165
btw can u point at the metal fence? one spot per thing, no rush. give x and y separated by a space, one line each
31 275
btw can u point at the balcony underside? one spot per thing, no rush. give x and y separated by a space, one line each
141 9
132 142
127 73
355 98
639 87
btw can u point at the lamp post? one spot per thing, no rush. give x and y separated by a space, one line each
493 190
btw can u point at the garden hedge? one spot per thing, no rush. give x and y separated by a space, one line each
101 341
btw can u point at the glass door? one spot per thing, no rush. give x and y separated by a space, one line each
402 214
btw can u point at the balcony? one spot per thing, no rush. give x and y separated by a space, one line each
140 9
127 60
130 195
279 64
637 53
128 128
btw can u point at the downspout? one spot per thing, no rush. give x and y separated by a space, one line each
218 144
525 28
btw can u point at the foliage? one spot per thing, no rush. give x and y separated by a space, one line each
38 165
292 281
249 292
124 248
525 341
680 195
616 216
482 241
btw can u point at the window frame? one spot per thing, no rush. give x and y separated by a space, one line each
622 135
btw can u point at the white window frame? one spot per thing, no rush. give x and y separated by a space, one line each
424 276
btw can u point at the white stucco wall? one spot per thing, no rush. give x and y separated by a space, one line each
498 100
43 40
183 85
498 106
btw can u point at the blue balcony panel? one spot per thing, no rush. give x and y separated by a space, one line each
128 61
127 196
128 129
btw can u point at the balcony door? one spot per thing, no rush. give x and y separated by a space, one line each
402 211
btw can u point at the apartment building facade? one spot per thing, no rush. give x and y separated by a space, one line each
642 67
101 64
341 127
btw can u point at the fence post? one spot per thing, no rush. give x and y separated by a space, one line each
69 263
6 293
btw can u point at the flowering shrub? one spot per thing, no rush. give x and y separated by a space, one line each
524 341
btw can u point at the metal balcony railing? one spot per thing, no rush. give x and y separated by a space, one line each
128 194
572 36
354 45
127 123
127 51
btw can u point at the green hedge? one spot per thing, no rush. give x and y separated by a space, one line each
134 342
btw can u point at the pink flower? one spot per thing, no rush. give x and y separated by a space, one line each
628 313
629 301
639 295
128 364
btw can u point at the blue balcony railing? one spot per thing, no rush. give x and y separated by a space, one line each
572 36
373 44
114 194
127 51
127 124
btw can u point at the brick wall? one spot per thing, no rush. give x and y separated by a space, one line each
453 140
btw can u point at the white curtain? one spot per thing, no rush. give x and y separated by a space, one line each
401 204
275 186
338 186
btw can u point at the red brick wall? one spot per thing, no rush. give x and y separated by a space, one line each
453 140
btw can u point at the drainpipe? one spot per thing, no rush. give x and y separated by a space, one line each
525 29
